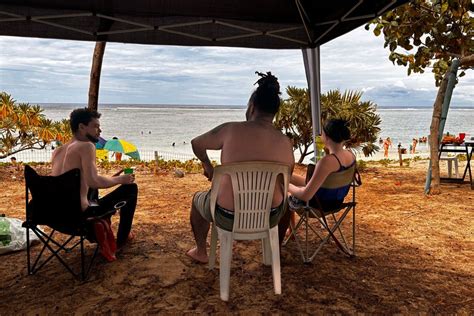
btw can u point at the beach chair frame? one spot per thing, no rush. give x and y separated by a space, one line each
330 229
55 203
253 185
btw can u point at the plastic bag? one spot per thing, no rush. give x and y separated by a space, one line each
17 235
5 235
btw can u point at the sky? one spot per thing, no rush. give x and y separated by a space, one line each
57 71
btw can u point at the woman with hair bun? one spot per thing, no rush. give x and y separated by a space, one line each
335 134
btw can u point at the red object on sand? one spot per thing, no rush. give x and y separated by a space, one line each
105 238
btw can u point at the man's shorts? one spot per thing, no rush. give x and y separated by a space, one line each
224 217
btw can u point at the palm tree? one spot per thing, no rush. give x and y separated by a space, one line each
6 105
363 121
294 118
24 126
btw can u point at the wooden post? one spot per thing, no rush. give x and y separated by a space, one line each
400 156
156 162
95 75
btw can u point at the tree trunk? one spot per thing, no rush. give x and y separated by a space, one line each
95 75
303 154
434 136
467 61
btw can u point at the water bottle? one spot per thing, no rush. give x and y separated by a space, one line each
319 148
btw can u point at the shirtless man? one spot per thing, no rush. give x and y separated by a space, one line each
254 139
80 153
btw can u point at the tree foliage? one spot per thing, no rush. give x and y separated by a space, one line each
429 33
24 126
294 118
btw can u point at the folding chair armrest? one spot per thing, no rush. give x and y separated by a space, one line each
97 217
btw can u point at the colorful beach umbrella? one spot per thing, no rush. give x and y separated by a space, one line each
122 146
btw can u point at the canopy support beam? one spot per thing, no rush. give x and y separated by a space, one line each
312 66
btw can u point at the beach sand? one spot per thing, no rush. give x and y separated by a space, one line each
414 255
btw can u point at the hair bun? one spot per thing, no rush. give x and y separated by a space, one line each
338 130
267 95
268 82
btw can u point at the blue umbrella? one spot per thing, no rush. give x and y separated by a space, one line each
101 143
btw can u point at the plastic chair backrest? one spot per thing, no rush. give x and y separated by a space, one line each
253 185
56 200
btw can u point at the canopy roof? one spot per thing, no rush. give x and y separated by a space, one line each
235 23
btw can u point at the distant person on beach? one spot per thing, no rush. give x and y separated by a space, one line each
254 139
387 143
80 152
335 133
414 143
116 154
15 163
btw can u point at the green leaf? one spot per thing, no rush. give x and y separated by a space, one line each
444 7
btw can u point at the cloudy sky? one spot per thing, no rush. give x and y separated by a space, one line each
43 71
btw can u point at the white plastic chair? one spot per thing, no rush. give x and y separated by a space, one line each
253 185
450 160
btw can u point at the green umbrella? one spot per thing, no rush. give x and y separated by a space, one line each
122 146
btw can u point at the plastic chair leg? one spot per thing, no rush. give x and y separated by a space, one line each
225 262
450 167
275 250
212 251
456 167
266 251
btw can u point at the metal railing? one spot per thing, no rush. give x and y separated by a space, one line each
44 155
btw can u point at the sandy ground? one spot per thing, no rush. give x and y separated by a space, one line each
415 254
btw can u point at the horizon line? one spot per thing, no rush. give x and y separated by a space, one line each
224 105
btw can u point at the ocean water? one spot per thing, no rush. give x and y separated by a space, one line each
157 127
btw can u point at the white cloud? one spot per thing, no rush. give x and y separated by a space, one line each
38 70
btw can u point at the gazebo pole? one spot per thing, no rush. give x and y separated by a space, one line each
444 114
95 75
312 66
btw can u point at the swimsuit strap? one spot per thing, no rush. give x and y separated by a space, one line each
340 164
341 167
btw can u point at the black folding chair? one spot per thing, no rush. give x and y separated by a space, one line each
56 203
337 211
